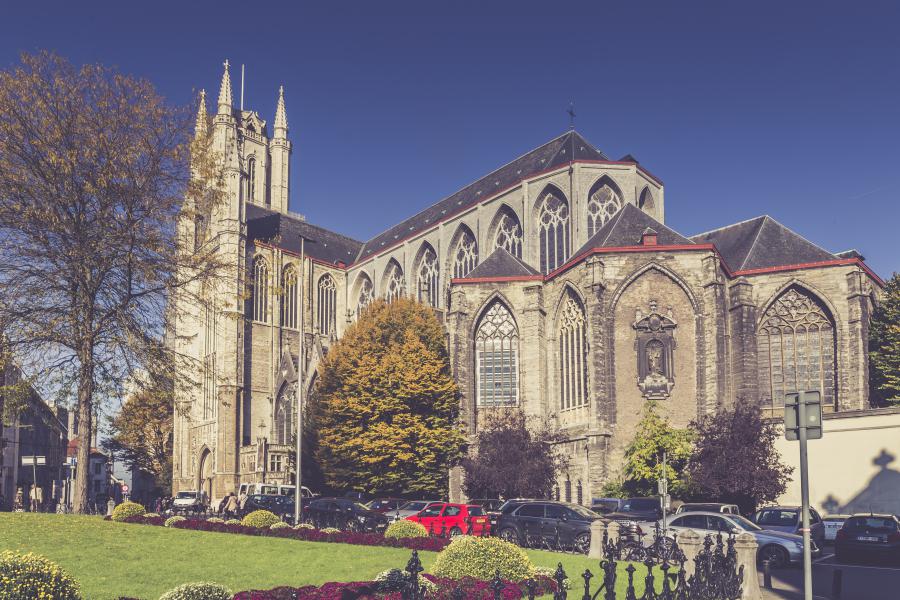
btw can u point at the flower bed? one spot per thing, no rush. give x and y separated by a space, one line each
431 544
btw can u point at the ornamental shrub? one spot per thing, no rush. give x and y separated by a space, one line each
480 557
198 591
170 522
405 529
233 522
215 520
331 530
127 509
260 518
151 515
280 525
26 576
304 526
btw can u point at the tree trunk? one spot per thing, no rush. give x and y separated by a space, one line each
81 493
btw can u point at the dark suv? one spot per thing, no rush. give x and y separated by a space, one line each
554 524
344 513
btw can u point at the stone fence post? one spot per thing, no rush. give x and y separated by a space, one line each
598 527
745 546
690 543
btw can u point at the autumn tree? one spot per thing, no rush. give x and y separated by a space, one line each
734 459
884 346
387 410
96 202
512 458
644 456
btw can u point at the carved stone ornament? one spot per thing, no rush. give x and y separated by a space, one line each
655 347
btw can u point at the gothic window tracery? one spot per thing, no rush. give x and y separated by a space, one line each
284 418
428 288
796 349
554 232
251 178
260 301
289 298
326 303
497 358
509 233
366 295
572 355
395 283
603 203
466 256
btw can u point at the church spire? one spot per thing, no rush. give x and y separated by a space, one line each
200 127
281 124
225 99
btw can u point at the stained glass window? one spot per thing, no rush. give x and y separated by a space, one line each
395 285
429 288
572 355
603 203
466 256
366 295
554 232
497 358
260 302
289 299
509 233
326 305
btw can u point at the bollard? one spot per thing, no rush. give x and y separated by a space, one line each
767 575
837 581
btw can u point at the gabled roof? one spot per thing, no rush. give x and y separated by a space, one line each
555 153
762 243
284 230
626 229
501 264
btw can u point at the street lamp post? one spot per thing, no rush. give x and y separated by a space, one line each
298 437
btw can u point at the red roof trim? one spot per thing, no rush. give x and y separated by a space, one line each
627 249
498 279
813 265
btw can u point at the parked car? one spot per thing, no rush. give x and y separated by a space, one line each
283 506
868 537
536 522
507 507
833 524
453 519
716 507
409 509
779 548
344 513
491 508
635 511
385 505
604 506
360 497
787 519
187 502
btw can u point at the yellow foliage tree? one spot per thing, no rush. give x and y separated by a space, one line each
387 411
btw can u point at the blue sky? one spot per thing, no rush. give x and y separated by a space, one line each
781 108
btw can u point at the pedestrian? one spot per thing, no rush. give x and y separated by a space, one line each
232 506
222 504
242 500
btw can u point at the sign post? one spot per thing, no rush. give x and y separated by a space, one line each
803 422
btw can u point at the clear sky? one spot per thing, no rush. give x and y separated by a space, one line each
742 108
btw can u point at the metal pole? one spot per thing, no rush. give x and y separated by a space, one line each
804 495
298 461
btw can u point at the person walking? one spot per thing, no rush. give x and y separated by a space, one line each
232 506
242 501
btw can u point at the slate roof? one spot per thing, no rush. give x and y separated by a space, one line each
626 229
761 243
266 225
555 153
501 264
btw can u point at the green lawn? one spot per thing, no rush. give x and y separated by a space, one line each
114 559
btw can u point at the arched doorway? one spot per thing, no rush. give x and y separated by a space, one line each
205 476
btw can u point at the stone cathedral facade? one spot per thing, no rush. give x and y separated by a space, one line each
562 290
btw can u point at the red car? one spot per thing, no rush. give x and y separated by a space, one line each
444 518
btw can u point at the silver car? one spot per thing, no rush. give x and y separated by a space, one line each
413 507
780 549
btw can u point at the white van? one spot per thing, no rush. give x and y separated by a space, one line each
272 489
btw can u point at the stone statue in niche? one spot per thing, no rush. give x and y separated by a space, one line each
655 347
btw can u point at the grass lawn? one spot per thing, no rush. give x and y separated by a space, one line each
115 559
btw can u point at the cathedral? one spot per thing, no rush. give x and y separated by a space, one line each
562 291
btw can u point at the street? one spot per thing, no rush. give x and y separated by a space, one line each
860 581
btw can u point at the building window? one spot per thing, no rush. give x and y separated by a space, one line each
260 301
646 203
603 203
289 299
395 284
326 305
209 355
796 349
284 418
428 284
572 355
579 493
497 358
554 235
466 255
366 295
276 463
251 178
568 490
508 233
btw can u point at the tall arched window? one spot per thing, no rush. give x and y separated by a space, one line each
603 203
284 418
366 294
251 178
260 290
497 358
289 298
428 282
508 233
395 284
572 355
796 349
465 256
568 489
579 493
326 305
554 227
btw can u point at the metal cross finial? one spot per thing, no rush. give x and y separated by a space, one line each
226 63
571 112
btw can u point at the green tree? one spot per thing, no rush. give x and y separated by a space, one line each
643 457
388 407
884 346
